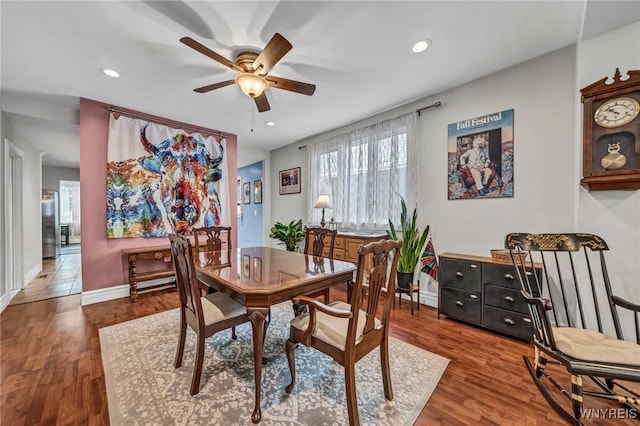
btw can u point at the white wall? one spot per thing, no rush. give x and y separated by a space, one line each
51 176
614 215
285 208
31 218
542 94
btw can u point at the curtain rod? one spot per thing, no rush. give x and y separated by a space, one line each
434 105
166 122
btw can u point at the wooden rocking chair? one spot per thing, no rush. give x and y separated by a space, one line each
575 316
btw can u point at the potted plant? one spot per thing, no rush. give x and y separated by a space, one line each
289 235
412 243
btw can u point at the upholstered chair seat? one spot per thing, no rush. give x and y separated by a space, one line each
590 345
331 329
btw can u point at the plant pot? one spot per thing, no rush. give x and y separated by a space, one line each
405 279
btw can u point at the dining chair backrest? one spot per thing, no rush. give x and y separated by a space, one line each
209 238
314 241
381 279
186 281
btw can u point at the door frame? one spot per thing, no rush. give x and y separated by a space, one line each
13 231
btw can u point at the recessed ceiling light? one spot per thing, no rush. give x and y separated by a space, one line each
270 123
421 45
110 73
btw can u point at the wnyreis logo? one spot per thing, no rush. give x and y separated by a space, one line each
609 413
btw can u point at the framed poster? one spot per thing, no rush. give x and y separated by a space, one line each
246 193
480 157
257 192
290 181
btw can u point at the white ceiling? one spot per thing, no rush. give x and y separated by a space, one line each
356 53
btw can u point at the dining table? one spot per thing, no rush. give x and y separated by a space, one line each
261 277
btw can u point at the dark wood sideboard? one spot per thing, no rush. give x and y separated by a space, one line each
483 292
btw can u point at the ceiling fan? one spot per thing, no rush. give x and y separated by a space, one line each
253 69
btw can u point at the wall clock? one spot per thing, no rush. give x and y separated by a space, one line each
611 133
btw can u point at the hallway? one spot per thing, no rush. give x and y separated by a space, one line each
59 277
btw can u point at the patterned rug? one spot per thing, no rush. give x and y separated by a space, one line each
143 388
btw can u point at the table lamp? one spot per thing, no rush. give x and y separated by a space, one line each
323 203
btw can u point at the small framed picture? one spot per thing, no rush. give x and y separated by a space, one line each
246 193
246 266
257 192
290 181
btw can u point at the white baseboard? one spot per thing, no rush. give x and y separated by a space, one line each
32 274
429 299
117 292
104 294
4 301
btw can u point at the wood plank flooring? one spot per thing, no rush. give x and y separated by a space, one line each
51 366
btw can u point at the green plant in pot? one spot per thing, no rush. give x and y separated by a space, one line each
412 244
289 235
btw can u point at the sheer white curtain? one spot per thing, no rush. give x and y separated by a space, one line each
363 171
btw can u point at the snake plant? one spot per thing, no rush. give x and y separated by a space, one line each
412 240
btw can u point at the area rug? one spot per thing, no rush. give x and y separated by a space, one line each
143 388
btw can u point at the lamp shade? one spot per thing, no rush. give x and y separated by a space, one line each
323 202
252 85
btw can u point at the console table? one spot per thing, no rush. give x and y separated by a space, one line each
148 253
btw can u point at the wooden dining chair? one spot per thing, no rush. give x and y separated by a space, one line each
209 238
205 315
348 331
314 245
576 323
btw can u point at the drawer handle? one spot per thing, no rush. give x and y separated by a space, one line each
473 296
459 303
459 274
158 255
473 266
529 273
508 321
509 277
509 299
527 320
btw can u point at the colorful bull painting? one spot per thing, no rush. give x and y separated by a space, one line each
172 189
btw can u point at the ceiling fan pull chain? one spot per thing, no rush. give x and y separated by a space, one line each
251 107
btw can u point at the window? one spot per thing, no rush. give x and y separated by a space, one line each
362 172
70 205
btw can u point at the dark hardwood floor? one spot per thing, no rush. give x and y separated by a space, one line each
51 366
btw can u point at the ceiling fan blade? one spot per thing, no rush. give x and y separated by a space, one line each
262 103
291 85
214 86
210 53
277 47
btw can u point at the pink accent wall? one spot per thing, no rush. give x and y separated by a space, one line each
103 264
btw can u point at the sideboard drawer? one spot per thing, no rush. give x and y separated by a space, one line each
339 254
505 298
504 276
510 322
460 304
462 274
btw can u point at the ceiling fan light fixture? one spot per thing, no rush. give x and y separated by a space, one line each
252 85
421 45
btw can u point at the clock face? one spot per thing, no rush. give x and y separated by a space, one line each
617 112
